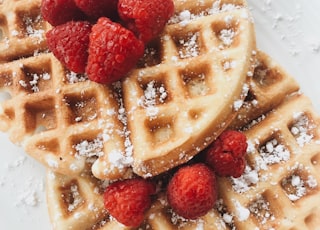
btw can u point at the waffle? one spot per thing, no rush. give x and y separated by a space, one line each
280 186
181 95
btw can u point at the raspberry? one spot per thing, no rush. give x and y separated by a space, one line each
226 155
69 43
98 8
192 191
128 200
57 12
145 18
113 51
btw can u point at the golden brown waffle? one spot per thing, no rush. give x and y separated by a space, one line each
179 104
21 29
280 186
268 87
178 99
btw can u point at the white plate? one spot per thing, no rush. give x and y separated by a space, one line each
287 30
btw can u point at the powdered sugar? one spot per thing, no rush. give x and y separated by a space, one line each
274 152
153 94
238 103
35 78
31 30
190 47
89 149
260 208
185 16
249 178
126 159
75 199
301 129
242 213
73 77
226 36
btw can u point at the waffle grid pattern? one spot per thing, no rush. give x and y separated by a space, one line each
21 29
171 98
64 120
285 185
277 191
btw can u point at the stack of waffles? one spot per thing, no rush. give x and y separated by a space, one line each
201 76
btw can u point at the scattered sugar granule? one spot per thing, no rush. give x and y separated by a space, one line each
242 213
227 65
89 148
75 199
226 36
30 30
122 117
35 79
261 209
248 178
312 182
299 187
227 218
273 152
119 160
73 77
152 94
238 103
30 195
301 129
185 16
190 47
28 198
23 83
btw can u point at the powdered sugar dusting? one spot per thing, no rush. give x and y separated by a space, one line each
242 212
185 16
89 149
301 129
153 95
31 31
260 208
299 182
226 36
190 47
76 199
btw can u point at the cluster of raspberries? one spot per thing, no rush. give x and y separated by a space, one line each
192 190
103 38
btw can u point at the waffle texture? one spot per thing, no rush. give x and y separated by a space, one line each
280 186
178 99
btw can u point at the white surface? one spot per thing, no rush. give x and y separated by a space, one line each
288 30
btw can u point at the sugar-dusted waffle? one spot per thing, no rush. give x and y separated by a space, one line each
187 95
182 94
267 89
280 186
21 30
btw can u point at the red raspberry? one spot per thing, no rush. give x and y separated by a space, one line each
192 191
146 18
57 12
128 200
226 154
113 51
98 8
69 43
